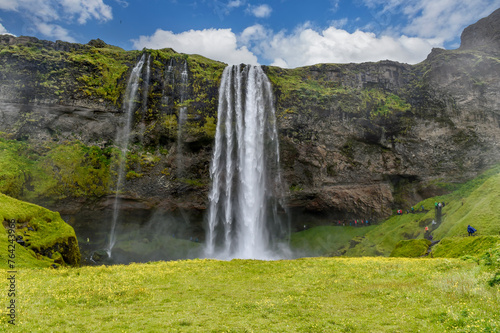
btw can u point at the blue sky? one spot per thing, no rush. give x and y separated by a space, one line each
286 33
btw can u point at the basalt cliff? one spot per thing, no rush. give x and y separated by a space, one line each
356 140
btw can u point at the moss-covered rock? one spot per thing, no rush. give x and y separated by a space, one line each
43 238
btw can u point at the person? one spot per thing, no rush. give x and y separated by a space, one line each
426 229
470 230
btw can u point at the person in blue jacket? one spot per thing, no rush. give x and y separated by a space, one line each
470 230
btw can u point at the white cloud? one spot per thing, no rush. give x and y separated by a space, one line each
253 33
3 30
440 19
339 23
87 9
426 24
54 30
261 11
46 16
334 5
235 3
217 44
8 5
306 46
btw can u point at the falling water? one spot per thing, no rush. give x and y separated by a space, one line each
246 217
145 91
122 139
181 121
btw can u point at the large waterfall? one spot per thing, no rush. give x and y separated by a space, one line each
246 218
122 140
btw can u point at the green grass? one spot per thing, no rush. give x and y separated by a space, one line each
456 247
306 295
382 239
412 248
326 240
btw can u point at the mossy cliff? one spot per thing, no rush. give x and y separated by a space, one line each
356 140
36 236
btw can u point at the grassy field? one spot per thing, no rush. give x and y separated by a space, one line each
457 292
304 295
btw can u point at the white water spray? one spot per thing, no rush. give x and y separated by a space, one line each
246 218
181 120
122 139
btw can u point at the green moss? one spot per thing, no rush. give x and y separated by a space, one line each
52 73
193 182
169 125
13 166
412 248
207 130
54 170
72 170
108 66
44 232
132 174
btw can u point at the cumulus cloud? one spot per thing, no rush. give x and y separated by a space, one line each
217 44
54 30
261 11
305 46
46 16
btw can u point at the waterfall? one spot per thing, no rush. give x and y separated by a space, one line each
246 214
181 120
145 91
122 140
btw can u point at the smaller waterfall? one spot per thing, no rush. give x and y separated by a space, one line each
122 140
145 90
246 215
181 121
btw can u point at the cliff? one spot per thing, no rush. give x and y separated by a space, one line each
356 140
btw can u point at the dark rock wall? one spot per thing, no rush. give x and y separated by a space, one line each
356 140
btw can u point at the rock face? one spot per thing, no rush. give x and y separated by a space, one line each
484 34
356 140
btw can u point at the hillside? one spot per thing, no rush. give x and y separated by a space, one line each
475 203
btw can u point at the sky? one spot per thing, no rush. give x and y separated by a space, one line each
284 33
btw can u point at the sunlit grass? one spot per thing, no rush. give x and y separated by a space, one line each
306 295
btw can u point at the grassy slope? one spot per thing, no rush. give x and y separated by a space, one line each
476 203
307 295
323 240
49 228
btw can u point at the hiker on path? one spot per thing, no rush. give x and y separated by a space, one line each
470 230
